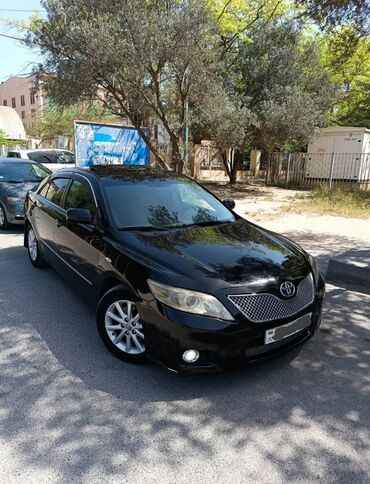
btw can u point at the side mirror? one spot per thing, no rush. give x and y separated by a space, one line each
79 216
230 204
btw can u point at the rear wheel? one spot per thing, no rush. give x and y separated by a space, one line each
4 224
120 327
33 249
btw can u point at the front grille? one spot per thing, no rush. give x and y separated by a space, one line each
263 307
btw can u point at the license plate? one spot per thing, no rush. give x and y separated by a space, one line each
281 332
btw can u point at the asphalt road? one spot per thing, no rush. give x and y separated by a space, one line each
71 412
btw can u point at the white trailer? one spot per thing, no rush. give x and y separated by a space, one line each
341 153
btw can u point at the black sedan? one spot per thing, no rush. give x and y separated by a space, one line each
174 273
16 178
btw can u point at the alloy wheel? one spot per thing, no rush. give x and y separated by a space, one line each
123 326
32 245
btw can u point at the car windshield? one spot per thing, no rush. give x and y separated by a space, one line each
162 203
20 172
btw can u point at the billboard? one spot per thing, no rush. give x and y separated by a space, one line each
107 144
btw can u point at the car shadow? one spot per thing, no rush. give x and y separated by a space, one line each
59 381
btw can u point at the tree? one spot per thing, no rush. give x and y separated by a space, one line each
56 120
236 18
3 139
150 57
283 83
331 13
227 122
346 54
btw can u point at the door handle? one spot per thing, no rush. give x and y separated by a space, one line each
59 223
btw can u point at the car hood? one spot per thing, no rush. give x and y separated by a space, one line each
218 256
18 190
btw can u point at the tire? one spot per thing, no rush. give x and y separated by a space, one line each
4 224
122 335
33 249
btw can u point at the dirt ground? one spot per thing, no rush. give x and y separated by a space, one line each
256 199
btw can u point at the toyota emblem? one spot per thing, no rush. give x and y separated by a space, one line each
287 289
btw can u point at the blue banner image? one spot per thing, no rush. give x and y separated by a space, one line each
101 144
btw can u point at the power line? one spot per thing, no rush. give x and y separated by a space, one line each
19 10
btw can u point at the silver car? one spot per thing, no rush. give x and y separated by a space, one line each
52 158
17 177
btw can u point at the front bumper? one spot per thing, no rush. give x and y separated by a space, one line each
221 344
15 213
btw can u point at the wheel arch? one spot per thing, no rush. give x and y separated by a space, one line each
113 283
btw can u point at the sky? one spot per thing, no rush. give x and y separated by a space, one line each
15 58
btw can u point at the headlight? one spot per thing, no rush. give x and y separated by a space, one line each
315 268
14 200
189 301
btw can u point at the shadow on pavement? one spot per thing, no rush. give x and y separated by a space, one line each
71 410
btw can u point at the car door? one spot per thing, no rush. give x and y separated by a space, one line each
77 243
47 211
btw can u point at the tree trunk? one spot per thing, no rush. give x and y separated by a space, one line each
178 162
233 166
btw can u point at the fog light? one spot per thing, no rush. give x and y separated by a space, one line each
190 356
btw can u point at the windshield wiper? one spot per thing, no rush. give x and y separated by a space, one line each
145 228
205 223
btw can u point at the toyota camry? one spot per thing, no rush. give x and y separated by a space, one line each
175 274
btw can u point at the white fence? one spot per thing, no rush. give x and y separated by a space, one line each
312 169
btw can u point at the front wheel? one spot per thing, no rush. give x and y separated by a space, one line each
4 224
33 249
120 327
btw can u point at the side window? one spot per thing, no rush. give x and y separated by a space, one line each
13 154
80 196
56 190
35 157
44 190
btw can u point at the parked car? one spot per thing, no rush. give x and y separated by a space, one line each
174 273
53 159
16 178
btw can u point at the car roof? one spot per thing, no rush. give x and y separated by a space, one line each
15 160
26 150
121 171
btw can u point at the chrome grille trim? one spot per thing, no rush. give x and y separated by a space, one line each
263 307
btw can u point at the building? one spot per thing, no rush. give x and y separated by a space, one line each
25 95
341 139
340 153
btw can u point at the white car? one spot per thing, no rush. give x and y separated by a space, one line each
51 158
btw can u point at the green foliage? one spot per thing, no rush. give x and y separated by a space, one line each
331 13
347 57
4 141
255 74
55 120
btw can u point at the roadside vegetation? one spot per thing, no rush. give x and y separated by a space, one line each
261 74
334 201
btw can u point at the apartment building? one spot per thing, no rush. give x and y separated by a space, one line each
23 94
